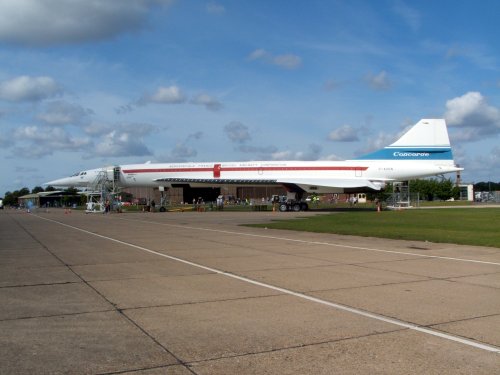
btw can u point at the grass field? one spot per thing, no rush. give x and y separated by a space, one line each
479 226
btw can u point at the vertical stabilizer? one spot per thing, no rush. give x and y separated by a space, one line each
426 133
426 140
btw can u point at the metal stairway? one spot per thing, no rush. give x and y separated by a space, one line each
102 190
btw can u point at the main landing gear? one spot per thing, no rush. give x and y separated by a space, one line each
293 206
290 202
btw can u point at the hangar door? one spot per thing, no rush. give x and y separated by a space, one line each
207 194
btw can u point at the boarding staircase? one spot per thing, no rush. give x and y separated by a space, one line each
102 190
401 197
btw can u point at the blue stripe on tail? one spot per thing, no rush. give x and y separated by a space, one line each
410 153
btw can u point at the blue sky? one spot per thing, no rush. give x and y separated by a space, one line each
90 83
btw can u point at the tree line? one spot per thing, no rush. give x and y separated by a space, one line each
432 189
11 198
429 189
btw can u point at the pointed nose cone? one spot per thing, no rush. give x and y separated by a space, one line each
62 182
81 179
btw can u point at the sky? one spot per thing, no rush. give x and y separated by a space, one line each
91 83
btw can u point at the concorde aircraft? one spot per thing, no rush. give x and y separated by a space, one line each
422 151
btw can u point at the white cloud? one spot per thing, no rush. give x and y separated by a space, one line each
312 153
172 95
378 142
260 152
345 133
49 22
237 132
263 150
287 61
96 129
208 101
40 134
135 129
182 151
119 143
379 81
25 88
38 141
164 95
474 116
331 157
257 54
473 105
64 113
465 135
122 139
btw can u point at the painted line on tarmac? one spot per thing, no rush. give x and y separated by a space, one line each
355 311
315 242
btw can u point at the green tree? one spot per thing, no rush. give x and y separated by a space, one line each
23 191
37 189
425 188
381 195
487 186
455 192
443 189
9 199
429 189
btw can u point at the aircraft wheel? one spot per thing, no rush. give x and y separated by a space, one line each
162 209
296 207
283 207
304 206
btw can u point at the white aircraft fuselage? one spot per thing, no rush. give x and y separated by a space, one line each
421 152
310 176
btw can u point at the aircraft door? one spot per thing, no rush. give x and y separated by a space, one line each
358 172
116 175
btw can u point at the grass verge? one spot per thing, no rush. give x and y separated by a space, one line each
479 227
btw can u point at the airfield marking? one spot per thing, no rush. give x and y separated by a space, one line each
316 242
378 317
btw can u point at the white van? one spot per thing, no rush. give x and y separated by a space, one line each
361 197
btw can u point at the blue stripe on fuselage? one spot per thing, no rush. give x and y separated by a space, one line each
409 153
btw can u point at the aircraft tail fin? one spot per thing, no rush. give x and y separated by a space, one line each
426 140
